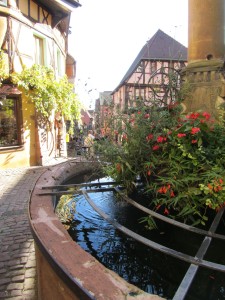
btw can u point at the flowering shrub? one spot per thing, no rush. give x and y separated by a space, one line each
180 158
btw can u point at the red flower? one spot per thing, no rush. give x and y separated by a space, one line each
146 116
149 137
161 139
158 206
194 141
195 130
149 173
217 188
124 137
193 116
180 135
206 115
166 212
118 167
155 147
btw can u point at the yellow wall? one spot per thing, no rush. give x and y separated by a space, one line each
26 155
38 142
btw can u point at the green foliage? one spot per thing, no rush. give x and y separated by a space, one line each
180 158
3 67
65 209
48 94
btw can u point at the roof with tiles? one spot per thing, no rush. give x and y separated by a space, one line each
161 47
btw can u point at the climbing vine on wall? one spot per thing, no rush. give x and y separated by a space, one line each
48 94
40 86
4 73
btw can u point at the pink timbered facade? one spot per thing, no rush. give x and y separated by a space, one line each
152 73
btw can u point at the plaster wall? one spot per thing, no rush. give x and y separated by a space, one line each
38 143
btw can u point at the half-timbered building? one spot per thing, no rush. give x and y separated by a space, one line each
153 75
32 32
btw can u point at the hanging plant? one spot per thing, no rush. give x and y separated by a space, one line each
4 71
48 94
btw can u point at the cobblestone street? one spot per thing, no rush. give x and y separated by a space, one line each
17 259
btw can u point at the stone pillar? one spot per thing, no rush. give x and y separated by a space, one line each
205 30
204 74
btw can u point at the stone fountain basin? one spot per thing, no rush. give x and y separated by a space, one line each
64 269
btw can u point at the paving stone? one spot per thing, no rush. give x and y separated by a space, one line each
30 273
15 286
4 281
29 293
2 264
15 267
13 262
15 273
3 294
17 253
23 259
31 264
16 293
29 284
15 298
4 257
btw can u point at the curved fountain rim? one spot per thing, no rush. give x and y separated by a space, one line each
61 270
49 235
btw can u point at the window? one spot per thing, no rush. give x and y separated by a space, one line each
39 51
140 68
59 63
10 121
152 67
3 2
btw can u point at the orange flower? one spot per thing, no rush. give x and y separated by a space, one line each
172 194
162 190
149 173
210 186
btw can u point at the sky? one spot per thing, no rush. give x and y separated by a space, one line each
107 35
